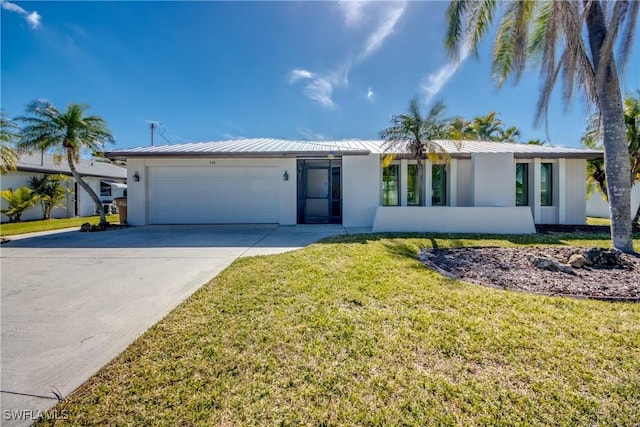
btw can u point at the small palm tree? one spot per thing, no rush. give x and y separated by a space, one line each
50 190
416 134
571 41
19 201
67 133
8 136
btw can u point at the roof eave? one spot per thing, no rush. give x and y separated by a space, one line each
199 154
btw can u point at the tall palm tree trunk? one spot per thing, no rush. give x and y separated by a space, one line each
87 188
616 153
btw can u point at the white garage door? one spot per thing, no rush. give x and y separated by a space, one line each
213 195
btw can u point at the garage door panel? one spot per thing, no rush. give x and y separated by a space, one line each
182 195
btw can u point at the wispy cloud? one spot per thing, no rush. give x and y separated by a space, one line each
320 87
33 18
297 74
370 94
352 11
384 29
434 82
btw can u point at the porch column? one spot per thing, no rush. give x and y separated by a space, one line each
537 210
562 191
452 197
403 182
428 189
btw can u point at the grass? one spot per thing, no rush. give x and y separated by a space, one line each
11 229
355 331
598 221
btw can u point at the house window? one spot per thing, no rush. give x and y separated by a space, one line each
105 189
522 184
438 185
413 194
390 186
546 196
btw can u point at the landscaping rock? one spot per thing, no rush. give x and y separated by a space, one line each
578 261
545 263
86 227
605 258
486 266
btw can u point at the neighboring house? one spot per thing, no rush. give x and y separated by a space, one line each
598 207
484 187
106 179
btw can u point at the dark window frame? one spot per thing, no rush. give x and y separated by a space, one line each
523 200
386 189
439 199
546 194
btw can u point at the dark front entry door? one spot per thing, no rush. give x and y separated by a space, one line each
319 192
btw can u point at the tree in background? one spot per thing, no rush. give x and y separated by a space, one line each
8 136
593 137
483 128
51 191
19 201
66 133
414 133
576 42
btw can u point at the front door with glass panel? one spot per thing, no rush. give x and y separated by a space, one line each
319 192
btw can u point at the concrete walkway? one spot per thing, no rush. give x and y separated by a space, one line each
73 301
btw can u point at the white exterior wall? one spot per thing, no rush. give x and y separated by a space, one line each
444 219
465 197
599 208
361 181
575 205
86 207
493 179
138 192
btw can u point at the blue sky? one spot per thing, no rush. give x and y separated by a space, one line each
220 70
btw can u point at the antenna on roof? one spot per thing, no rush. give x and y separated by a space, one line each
154 124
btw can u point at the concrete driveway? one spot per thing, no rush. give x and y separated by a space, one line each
73 301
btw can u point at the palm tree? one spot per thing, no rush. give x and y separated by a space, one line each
576 42
67 134
8 136
487 128
415 134
18 202
461 129
510 134
51 192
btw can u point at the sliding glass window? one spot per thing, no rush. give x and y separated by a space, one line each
546 184
522 184
438 185
390 186
413 193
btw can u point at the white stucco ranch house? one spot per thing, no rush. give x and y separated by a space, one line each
106 179
484 187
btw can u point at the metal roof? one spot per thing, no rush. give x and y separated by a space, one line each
263 147
37 162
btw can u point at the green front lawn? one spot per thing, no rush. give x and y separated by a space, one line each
11 229
355 331
598 221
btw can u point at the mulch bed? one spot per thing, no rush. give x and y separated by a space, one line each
515 269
